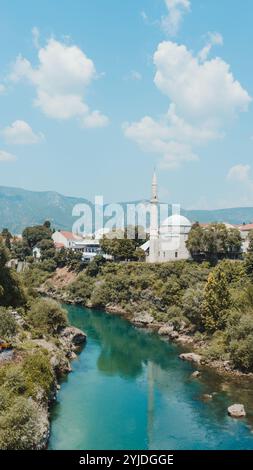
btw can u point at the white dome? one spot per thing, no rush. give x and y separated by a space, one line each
176 221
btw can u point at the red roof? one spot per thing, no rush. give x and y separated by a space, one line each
246 227
70 235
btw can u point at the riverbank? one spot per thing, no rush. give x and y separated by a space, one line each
180 331
30 370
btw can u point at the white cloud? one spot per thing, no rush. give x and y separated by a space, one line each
2 89
36 37
6 156
213 39
239 173
95 119
61 79
204 97
176 10
20 133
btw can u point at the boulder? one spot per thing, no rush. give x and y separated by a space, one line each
184 339
144 318
196 374
236 411
73 335
165 330
191 357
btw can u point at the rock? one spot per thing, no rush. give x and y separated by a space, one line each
184 339
207 397
236 411
165 330
73 335
144 318
191 357
174 335
195 374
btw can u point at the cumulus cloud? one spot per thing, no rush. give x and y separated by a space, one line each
6 156
61 79
176 10
20 132
239 173
204 98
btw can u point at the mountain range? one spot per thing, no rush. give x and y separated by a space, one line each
20 208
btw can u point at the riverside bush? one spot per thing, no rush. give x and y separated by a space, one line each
46 317
8 326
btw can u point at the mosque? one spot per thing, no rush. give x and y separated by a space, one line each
168 241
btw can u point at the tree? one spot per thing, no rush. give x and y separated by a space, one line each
33 235
122 244
47 248
6 236
195 241
213 242
11 292
216 301
20 249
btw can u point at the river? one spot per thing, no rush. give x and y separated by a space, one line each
129 390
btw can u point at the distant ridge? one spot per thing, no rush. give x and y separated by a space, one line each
20 208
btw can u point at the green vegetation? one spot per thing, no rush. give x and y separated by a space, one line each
46 317
214 242
27 379
124 245
215 304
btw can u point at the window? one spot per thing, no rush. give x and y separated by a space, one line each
176 254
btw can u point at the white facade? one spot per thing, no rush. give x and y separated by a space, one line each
167 242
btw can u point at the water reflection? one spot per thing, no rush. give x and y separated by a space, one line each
129 390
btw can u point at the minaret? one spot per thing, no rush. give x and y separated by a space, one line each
154 231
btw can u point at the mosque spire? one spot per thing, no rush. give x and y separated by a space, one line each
154 187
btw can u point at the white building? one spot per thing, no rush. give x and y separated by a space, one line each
64 239
245 231
167 242
90 247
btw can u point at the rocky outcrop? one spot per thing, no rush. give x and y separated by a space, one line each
236 411
73 336
196 374
143 318
191 357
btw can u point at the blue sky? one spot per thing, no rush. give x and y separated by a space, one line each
94 94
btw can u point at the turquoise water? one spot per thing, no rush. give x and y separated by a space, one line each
129 390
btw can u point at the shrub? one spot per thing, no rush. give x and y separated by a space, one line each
240 341
38 374
19 424
8 326
47 317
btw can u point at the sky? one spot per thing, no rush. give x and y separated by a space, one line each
95 94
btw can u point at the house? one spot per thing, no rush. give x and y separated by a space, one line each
90 247
64 239
245 229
